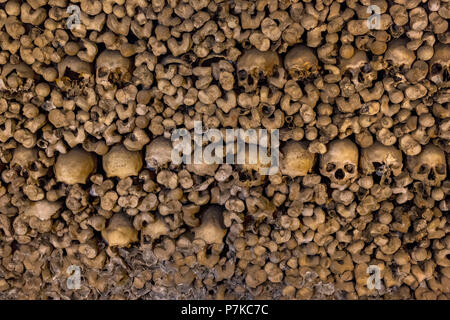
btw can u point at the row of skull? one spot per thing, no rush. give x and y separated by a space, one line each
300 62
340 163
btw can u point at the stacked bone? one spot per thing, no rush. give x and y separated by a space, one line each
92 90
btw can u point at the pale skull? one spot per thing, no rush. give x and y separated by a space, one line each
340 162
429 166
440 64
358 69
255 66
112 69
301 62
381 160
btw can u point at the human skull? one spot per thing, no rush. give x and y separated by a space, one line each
112 69
122 163
358 69
73 73
429 166
301 62
381 160
16 77
211 230
296 160
250 173
74 166
27 160
340 162
399 58
158 153
440 65
254 66
24 157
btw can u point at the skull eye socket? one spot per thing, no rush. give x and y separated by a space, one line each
33 167
243 176
349 168
440 169
242 74
436 68
360 77
71 75
422 169
366 68
102 73
330 167
379 168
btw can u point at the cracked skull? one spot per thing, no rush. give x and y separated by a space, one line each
440 65
301 62
340 162
381 160
112 69
255 66
429 166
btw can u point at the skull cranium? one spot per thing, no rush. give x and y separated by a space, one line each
340 162
27 160
381 160
301 62
429 166
440 65
399 58
254 66
358 69
112 69
296 160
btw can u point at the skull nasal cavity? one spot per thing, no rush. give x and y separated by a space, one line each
339 174
431 175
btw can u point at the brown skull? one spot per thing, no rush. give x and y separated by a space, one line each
399 59
27 160
301 62
254 66
112 69
381 160
296 160
440 64
429 166
340 162
358 69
